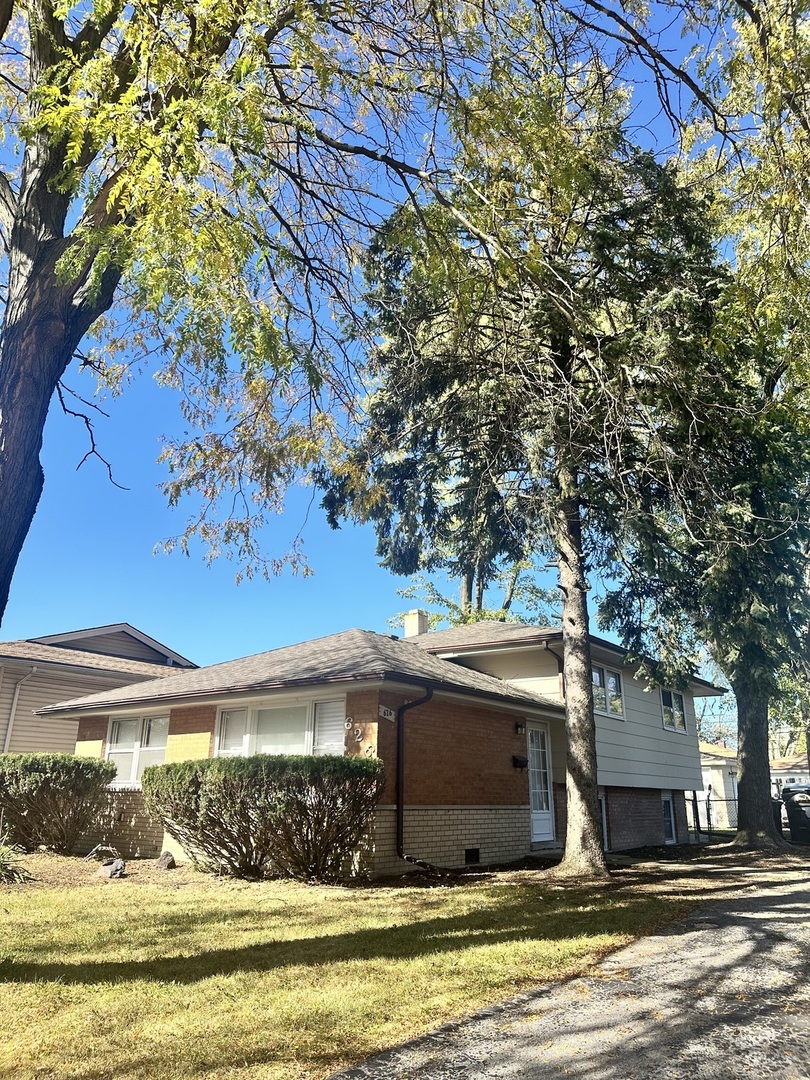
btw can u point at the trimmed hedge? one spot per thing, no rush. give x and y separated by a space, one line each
49 800
267 815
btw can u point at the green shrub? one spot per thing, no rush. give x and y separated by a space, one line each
10 870
267 815
49 800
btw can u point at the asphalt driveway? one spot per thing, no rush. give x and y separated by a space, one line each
723 995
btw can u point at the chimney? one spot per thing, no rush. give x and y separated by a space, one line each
415 622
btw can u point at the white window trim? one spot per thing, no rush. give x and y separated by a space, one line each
132 785
673 727
252 708
605 672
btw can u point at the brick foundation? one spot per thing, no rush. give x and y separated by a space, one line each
442 834
126 827
635 818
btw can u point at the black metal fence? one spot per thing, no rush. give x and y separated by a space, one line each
706 815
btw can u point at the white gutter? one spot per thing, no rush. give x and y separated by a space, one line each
13 709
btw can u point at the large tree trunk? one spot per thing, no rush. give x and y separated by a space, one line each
466 592
755 824
584 855
45 321
26 388
46 314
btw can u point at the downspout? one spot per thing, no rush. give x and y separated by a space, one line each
560 671
13 710
400 794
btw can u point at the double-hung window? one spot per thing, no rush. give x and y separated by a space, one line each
672 711
314 728
135 743
607 691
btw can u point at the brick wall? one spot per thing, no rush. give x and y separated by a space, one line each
366 728
91 736
191 733
560 812
634 817
454 754
442 834
681 825
126 827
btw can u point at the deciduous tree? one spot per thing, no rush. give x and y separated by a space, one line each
209 169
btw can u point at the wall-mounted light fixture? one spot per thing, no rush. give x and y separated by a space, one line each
520 727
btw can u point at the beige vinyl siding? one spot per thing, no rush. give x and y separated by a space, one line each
633 751
117 644
639 752
530 669
34 734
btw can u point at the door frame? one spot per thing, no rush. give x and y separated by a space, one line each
543 726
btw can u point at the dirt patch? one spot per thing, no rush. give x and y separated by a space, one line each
73 872
714 871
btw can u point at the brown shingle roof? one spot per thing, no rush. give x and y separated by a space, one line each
351 656
34 652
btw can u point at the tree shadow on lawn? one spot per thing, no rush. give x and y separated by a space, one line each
527 915
699 1006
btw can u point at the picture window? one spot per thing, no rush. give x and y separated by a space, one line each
314 728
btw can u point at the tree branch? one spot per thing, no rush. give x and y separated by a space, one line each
88 423
642 45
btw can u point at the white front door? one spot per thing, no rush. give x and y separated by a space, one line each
540 783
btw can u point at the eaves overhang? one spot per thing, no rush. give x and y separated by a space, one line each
85 669
696 684
390 679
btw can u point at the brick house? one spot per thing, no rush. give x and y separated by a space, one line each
469 722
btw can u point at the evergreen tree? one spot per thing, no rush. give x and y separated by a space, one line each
538 363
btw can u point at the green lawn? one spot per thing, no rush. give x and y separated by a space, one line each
183 975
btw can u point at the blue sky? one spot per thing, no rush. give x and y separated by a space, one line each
89 556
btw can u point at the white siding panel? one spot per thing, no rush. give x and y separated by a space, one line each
636 751
48 685
6 695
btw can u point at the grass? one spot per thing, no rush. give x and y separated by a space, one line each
183 975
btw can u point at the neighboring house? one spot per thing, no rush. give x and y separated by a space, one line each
789 770
38 671
717 803
477 710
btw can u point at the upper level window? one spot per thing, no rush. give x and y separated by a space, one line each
316 728
135 743
672 710
607 692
